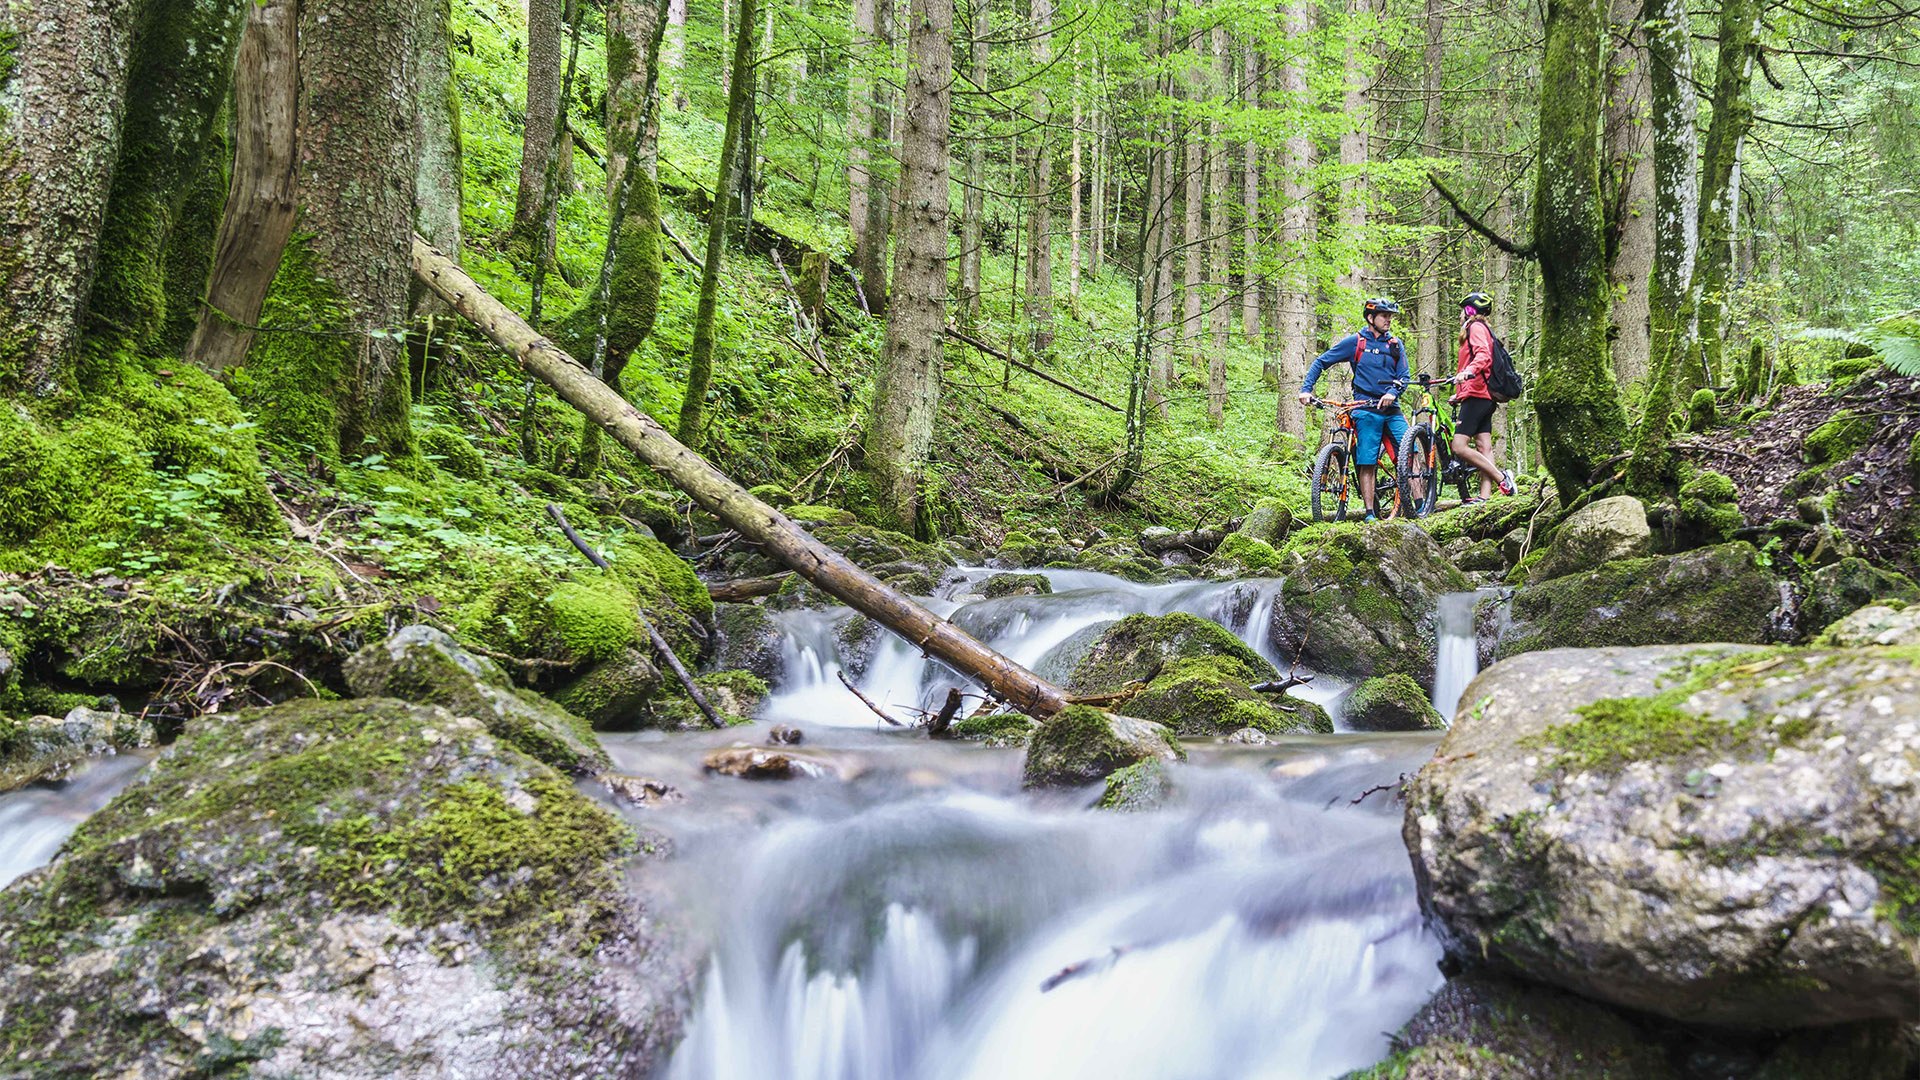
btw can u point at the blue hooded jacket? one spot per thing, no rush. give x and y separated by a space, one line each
1381 363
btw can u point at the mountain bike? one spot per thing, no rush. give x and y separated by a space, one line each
1334 473
1426 456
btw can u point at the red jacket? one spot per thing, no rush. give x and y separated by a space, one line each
1476 361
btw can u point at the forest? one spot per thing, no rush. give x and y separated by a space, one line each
795 538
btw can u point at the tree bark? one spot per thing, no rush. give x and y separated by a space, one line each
1580 417
713 492
1430 324
673 53
1193 228
973 195
1250 278
437 190
700 362
1719 184
545 31
1295 287
1219 234
870 249
1075 180
1040 191
261 200
859 124
1630 169
1097 213
1353 153
906 393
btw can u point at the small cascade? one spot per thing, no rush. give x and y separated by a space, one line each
36 820
1457 660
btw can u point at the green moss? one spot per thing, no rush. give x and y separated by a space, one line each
1842 372
1392 702
995 729
1838 438
1139 647
1709 594
1703 411
292 377
772 494
1141 786
1016 585
819 515
1913 460
1081 744
452 454
1210 695
1709 507
1247 556
594 621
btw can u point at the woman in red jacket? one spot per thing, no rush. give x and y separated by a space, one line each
1472 403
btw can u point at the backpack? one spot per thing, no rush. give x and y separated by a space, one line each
1503 379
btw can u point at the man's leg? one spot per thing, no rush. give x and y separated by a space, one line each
1367 473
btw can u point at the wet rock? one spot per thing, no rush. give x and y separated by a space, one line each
756 763
1359 600
1015 585
1710 594
1875 624
995 729
1138 647
612 694
1241 555
1019 550
1600 532
423 665
1142 786
344 888
1249 736
1719 834
47 748
1212 695
749 639
1482 556
1831 592
640 791
1121 558
1081 744
782 735
1268 522
1391 703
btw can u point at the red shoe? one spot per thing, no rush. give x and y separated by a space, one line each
1506 482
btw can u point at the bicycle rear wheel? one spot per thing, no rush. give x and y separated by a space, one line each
1330 483
1419 477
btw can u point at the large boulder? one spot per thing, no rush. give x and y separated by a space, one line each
1081 744
1722 835
423 665
612 695
1391 703
1359 599
1138 647
1710 594
1597 533
1835 590
347 889
1213 695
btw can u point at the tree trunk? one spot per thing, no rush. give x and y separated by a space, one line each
545 31
859 123
1075 181
700 362
1430 325
1581 421
1097 213
1630 169
1193 228
973 194
261 199
437 190
1250 204
1676 214
906 392
673 52
870 248
1353 155
1219 237
1295 304
1719 184
713 492
1040 191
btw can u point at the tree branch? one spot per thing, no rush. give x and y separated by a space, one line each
1518 251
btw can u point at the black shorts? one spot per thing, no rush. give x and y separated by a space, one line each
1473 416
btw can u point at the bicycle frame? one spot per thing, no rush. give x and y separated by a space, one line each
1348 436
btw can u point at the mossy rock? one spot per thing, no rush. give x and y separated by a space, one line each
612 693
1121 558
342 859
1482 556
871 547
451 453
42 749
659 511
1481 521
1016 585
1391 703
1703 411
1023 551
1359 600
1716 594
1140 647
734 695
808 514
1836 590
1081 744
1709 507
1614 528
1211 695
1243 556
1839 438
1875 624
1138 787
423 665
773 495
995 729
749 640
1843 372
1268 522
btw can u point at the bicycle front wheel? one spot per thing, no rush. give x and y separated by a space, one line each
1419 472
1330 483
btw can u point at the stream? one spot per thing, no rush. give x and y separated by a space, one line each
916 915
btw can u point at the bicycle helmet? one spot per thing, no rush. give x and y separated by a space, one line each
1480 302
1377 305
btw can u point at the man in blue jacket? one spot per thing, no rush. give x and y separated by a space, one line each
1379 373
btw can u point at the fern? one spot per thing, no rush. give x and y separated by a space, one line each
1896 338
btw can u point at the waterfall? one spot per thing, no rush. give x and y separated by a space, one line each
1457 660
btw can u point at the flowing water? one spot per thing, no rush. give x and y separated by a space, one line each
922 918
1459 648
36 820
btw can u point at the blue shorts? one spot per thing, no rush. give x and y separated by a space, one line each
1370 425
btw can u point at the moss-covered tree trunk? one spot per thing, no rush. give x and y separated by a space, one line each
1719 188
1629 170
906 392
106 124
621 313
1582 423
545 30
700 362
331 372
261 198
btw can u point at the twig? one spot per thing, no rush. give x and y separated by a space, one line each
1526 542
653 633
961 335
1518 251
865 700
685 251
1281 686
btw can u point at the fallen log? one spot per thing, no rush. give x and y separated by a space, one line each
1001 355
1203 540
718 495
740 590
